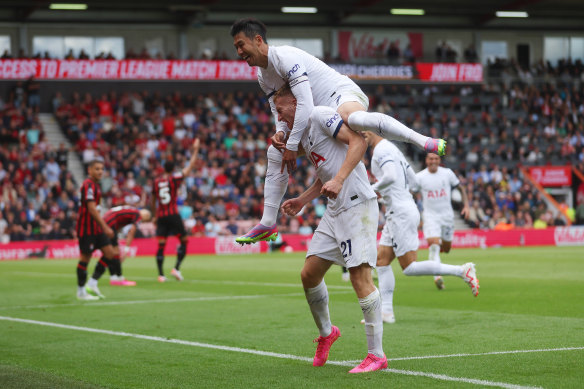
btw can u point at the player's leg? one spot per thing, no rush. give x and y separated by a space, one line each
274 189
317 297
432 232
356 234
345 276
370 302
357 117
323 251
86 248
411 267
103 263
180 255
162 230
386 279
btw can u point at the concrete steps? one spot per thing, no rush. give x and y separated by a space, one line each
55 137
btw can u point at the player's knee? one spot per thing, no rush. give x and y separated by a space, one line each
274 155
309 278
356 120
446 248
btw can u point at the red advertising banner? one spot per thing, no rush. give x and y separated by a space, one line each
361 45
552 175
11 69
64 249
125 70
450 72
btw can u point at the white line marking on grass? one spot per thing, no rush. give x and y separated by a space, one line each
174 300
192 281
441 377
541 350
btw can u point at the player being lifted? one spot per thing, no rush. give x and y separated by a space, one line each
400 233
436 184
118 218
346 234
93 234
168 221
312 83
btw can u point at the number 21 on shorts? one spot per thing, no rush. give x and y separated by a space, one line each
346 245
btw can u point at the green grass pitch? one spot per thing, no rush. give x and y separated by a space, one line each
242 321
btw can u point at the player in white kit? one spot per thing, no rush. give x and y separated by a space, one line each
399 237
346 233
313 83
435 183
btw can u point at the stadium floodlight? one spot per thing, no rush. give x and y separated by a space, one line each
68 6
299 10
511 14
406 11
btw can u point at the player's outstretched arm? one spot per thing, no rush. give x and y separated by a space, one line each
465 208
293 206
357 148
92 208
194 156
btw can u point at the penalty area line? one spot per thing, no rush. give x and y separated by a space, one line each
441 377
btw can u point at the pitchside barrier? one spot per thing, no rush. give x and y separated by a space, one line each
61 249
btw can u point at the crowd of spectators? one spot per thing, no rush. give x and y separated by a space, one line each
37 192
491 130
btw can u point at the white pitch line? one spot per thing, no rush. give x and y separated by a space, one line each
541 350
193 281
174 300
441 377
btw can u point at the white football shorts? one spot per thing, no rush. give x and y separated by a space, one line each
435 228
350 238
346 92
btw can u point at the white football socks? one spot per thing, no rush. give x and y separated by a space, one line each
92 282
434 252
385 126
386 287
371 307
430 268
434 255
317 299
274 187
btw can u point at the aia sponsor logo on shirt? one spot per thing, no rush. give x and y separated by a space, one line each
316 159
436 194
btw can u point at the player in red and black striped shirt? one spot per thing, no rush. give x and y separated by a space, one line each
118 218
168 221
93 233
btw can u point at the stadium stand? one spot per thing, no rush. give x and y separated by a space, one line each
491 130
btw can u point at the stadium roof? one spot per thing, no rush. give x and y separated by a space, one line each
466 14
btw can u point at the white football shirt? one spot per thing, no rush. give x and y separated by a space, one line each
313 83
397 195
436 191
328 154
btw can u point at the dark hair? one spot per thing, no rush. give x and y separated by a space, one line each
250 28
168 166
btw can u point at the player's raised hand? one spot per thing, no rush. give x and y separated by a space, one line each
465 212
292 207
331 189
196 145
